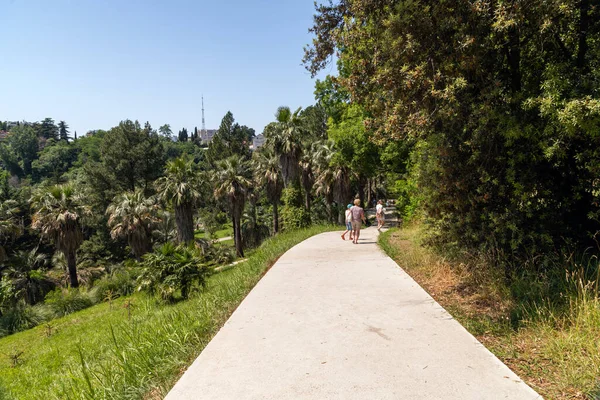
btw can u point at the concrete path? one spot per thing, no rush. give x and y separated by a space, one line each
334 320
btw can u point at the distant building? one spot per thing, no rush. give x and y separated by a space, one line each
12 124
258 141
207 136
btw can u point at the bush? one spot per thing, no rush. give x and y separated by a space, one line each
171 269
67 301
21 317
121 282
293 214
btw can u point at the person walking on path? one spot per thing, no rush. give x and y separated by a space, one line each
380 215
358 216
348 223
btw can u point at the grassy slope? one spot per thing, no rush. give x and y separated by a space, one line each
556 354
100 353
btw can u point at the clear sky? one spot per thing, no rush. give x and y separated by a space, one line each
94 63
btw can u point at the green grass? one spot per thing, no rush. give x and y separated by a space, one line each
226 230
554 346
99 353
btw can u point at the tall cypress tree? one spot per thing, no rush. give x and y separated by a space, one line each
183 135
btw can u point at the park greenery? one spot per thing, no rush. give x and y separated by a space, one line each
494 107
480 118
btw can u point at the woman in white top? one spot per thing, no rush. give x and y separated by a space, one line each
380 214
348 223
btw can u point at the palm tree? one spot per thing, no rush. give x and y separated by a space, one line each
131 215
333 177
181 188
284 137
267 173
58 216
165 229
307 178
9 224
26 273
231 183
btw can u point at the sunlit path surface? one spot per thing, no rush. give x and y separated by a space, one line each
334 320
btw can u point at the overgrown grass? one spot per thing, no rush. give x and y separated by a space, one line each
554 345
134 347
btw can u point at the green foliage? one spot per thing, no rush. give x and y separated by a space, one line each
54 160
66 301
47 129
499 101
63 131
21 317
231 139
19 150
181 188
173 270
293 214
131 157
121 282
139 355
408 200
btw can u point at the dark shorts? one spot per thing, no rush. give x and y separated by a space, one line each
349 226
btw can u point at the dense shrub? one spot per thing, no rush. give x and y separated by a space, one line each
67 301
121 282
293 214
173 269
21 317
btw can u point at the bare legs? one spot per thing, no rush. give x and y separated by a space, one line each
356 235
380 223
344 234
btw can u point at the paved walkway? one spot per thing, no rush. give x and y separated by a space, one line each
334 320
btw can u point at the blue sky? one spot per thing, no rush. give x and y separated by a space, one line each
94 63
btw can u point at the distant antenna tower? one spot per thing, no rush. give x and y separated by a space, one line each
203 134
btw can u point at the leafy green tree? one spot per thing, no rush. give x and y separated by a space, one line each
501 101
267 173
181 187
132 216
231 139
47 129
232 180
54 160
63 131
130 158
166 131
19 150
315 121
59 213
354 146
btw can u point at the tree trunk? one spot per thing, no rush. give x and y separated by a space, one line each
185 223
369 191
584 7
275 218
237 236
361 191
72 266
330 210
